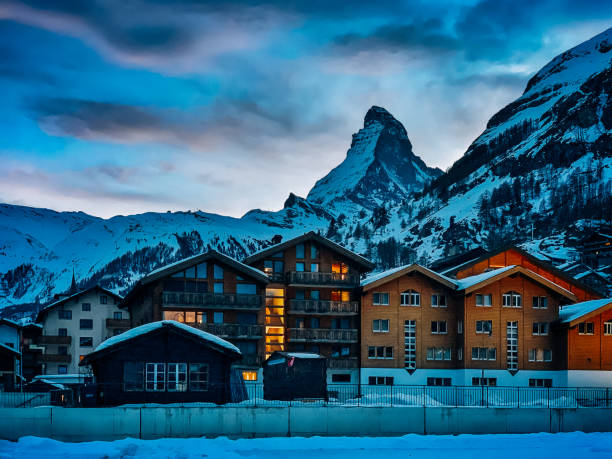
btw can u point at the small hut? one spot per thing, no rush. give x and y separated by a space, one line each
295 376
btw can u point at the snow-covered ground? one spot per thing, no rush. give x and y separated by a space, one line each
542 446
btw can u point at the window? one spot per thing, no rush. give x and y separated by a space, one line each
511 300
540 302
268 266
62 350
380 352
380 380
484 326
86 341
540 328
248 375
299 251
155 377
586 328
438 353
340 295
484 300
247 347
180 274
278 255
340 268
380 325
410 298
607 328
314 348
217 317
198 376
314 267
64 314
300 266
341 377
86 307
300 294
344 324
62 332
438 381
438 327
218 272
314 251
381 299
512 346
202 271
133 376
484 381
62 369
103 299
315 322
459 353
410 344
540 382
483 353
540 355
246 289
299 322
438 301
190 273
246 318
177 377
314 294
117 315
218 287
460 327
86 324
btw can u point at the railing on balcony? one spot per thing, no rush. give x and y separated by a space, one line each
118 323
276 277
318 278
213 300
323 335
235 331
342 363
59 358
323 307
250 359
53 339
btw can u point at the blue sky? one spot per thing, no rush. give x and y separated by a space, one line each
126 106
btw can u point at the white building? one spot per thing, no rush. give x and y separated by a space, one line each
74 326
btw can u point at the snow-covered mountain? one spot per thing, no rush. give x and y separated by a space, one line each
539 175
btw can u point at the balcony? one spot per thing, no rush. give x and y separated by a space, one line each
250 360
342 363
322 335
276 277
118 323
53 339
212 300
322 279
232 331
324 307
57 358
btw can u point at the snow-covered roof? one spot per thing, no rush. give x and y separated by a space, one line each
148 328
302 355
74 296
51 383
381 275
395 272
572 312
9 322
69 378
470 281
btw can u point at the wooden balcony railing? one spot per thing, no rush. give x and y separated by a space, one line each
342 363
234 331
323 307
322 335
318 278
212 300
118 323
59 358
53 339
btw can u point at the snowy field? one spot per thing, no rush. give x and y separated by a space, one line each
541 446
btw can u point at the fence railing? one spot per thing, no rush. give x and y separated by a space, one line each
323 335
24 399
320 278
323 307
216 300
224 330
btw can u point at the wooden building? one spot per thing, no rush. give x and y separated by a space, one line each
31 351
211 292
164 362
312 301
295 376
10 377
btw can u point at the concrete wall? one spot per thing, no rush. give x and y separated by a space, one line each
88 424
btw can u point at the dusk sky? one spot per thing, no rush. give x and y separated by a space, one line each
126 106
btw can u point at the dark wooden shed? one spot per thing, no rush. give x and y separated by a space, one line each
295 376
165 362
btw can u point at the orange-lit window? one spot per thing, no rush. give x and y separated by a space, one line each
249 375
341 268
81 357
179 316
340 295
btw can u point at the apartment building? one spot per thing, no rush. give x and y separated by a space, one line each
74 325
10 355
212 292
312 301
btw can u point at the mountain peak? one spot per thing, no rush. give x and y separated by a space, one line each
380 115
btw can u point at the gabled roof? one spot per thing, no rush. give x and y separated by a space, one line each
311 236
114 342
48 308
377 279
9 322
454 262
580 312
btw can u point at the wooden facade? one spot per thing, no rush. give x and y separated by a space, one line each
212 292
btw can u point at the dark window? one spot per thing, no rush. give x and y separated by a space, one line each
438 327
62 350
484 381
62 332
380 380
299 251
247 347
177 377
299 322
218 287
314 322
586 328
86 306
62 369
133 376
300 294
156 377
314 251
64 314
218 272
86 341
117 315
315 348
438 381
103 299
314 294
198 376
190 273
300 267
341 378
247 318
218 317
540 382
86 324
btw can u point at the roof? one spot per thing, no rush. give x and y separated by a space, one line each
54 305
377 279
180 265
49 382
582 311
4 347
10 323
299 355
145 329
311 235
447 263
471 281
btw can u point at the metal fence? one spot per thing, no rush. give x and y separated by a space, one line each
24 399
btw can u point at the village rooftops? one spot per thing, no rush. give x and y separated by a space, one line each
581 311
54 305
377 279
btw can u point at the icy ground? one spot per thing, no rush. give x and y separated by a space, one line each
541 446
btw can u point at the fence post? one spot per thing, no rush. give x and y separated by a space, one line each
456 397
548 398
607 397
391 395
518 397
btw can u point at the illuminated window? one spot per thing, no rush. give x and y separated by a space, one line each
540 355
340 295
314 267
249 375
340 268
178 316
